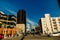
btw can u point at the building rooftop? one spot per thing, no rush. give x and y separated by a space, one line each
2 12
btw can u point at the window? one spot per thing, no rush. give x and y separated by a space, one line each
55 28
55 25
59 22
53 19
54 22
58 19
55 32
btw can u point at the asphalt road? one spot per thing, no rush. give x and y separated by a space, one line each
31 37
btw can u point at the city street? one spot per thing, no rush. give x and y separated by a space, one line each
35 37
38 37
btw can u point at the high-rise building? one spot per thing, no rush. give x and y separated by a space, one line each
21 17
50 25
21 20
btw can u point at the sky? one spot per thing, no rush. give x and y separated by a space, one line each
35 9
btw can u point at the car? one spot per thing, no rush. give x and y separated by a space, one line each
1 36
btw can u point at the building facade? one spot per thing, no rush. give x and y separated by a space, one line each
21 21
7 21
50 25
12 21
7 25
3 19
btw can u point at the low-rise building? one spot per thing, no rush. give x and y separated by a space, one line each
7 21
8 25
50 25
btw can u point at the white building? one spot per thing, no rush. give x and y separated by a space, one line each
50 25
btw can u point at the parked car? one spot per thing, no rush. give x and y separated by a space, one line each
1 36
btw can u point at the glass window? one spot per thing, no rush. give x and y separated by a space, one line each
54 25
58 19
59 22
55 28
54 22
53 19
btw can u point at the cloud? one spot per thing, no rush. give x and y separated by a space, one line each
28 26
28 20
31 22
11 11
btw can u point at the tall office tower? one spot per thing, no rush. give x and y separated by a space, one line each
59 3
21 19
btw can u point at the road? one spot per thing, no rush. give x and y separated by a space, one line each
38 37
35 37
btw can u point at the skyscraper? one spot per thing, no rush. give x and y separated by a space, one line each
21 18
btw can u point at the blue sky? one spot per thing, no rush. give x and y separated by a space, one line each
35 9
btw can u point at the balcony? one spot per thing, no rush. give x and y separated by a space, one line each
14 18
3 20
